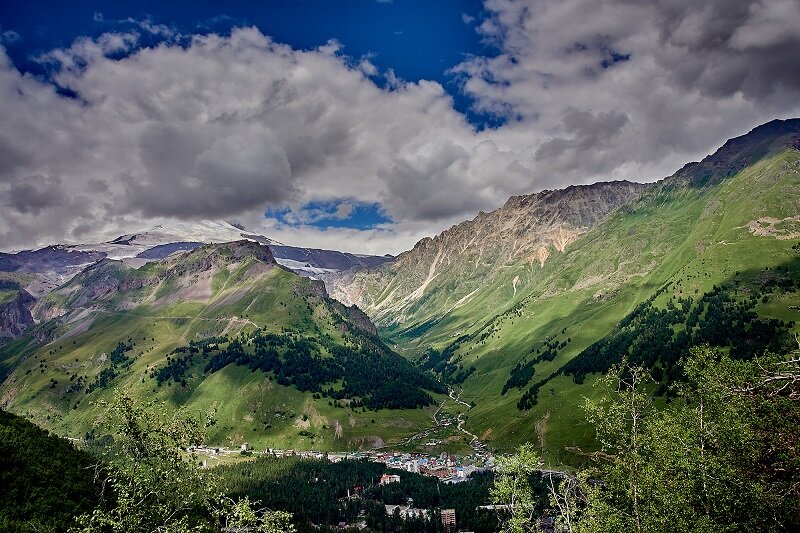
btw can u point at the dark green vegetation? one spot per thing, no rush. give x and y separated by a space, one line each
158 485
659 339
137 475
44 481
221 325
370 374
725 456
315 491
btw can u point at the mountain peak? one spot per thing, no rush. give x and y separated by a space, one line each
235 251
741 152
579 205
213 257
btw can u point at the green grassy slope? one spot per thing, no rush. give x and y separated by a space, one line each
692 237
57 369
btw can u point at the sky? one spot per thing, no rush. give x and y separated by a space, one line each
364 125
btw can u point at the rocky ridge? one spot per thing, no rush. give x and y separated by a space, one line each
15 313
527 229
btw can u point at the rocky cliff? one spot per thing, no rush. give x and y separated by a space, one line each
527 229
15 311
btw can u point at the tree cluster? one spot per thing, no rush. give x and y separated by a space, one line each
724 457
44 481
118 362
659 338
315 492
364 371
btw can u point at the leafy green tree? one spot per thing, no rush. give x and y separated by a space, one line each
619 420
568 500
724 456
513 487
159 486
44 480
703 463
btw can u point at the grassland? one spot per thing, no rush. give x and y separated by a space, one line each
693 238
48 382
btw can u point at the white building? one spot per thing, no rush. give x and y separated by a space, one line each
405 512
389 478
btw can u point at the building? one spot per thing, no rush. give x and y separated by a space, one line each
406 511
449 520
389 478
495 507
411 466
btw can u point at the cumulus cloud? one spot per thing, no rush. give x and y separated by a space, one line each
219 127
630 88
231 127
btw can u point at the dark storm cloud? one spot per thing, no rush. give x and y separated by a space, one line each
31 194
634 89
722 47
189 173
587 131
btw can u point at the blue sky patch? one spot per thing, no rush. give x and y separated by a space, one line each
342 213
416 39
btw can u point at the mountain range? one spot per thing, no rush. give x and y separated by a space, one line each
29 274
518 310
225 324
523 307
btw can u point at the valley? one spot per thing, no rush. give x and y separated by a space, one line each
486 266
504 323
113 328
479 314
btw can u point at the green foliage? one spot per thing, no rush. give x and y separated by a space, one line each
315 491
158 487
444 364
513 487
723 457
658 339
372 376
428 493
309 489
119 362
44 481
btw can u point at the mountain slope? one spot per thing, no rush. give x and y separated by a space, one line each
15 306
223 324
46 482
730 222
446 272
40 271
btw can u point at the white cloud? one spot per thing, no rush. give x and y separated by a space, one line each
229 127
634 89
222 127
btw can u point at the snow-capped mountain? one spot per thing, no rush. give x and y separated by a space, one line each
40 271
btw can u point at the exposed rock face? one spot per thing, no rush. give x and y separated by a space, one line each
527 229
356 318
15 315
327 259
212 256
